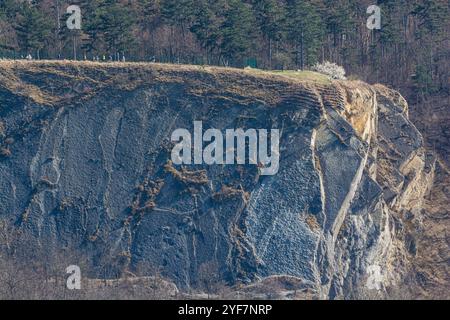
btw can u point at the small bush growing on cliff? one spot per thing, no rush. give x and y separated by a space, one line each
331 70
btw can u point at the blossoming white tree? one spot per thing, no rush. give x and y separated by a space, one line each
330 69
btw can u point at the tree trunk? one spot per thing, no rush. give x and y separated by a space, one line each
74 47
58 17
270 54
302 59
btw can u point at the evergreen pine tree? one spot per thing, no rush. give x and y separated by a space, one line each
32 29
91 11
206 26
148 18
9 8
237 32
177 14
433 18
432 33
116 25
270 17
305 30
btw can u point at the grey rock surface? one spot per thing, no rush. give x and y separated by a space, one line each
85 167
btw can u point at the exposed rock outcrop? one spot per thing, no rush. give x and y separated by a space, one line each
85 166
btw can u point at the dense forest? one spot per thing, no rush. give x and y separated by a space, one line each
410 51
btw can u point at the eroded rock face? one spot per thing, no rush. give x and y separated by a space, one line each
85 166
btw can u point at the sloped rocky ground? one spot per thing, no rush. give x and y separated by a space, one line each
84 167
431 233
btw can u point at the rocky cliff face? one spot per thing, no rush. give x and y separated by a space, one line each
85 166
